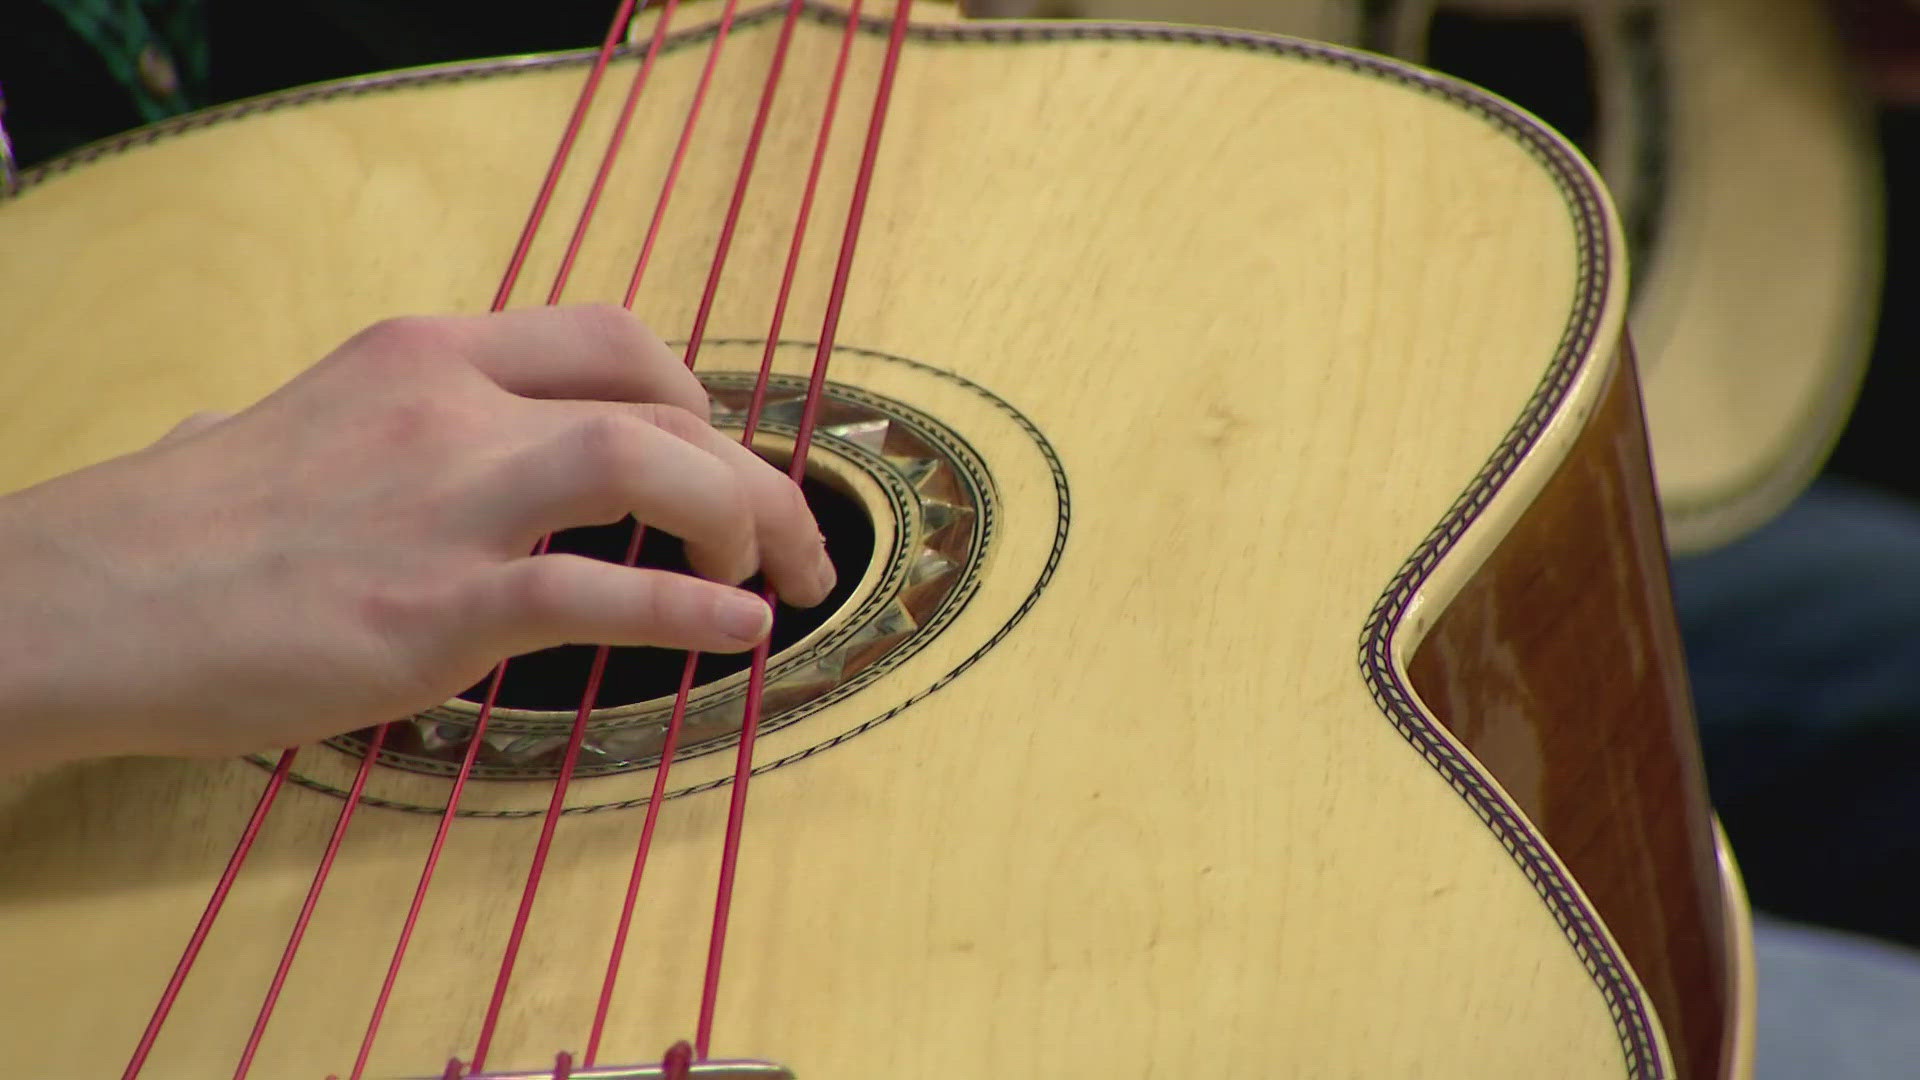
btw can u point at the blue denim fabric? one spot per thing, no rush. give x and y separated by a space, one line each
1834 1007
1803 643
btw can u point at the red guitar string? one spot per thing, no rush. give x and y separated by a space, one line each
612 152
658 795
791 271
426 873
595 677
836 298
608 45
744 179
679 1060
212 911
678 718
680 152
561 153
676 1064
320 873
274 783
555 806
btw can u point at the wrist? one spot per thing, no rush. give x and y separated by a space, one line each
40 726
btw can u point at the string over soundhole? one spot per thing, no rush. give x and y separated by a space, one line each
901 500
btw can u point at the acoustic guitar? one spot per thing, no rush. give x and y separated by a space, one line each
1253 656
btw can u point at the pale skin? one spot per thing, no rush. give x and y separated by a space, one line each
357 545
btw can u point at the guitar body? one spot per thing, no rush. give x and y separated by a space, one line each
1265 667
1742 157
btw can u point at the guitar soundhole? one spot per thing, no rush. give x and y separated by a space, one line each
904 504
553 679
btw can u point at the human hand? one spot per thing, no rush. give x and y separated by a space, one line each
355 547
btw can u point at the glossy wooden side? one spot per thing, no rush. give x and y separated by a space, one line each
1593 733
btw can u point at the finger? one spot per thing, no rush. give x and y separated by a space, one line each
792 552
786 541
595 352
547 600
191 426
607 463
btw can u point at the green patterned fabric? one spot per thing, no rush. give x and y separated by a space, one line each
74 71
155 49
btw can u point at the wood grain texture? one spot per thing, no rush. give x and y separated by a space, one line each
1736 129
1304 333
1592 733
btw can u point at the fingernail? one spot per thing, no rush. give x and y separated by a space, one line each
825 576
744 617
